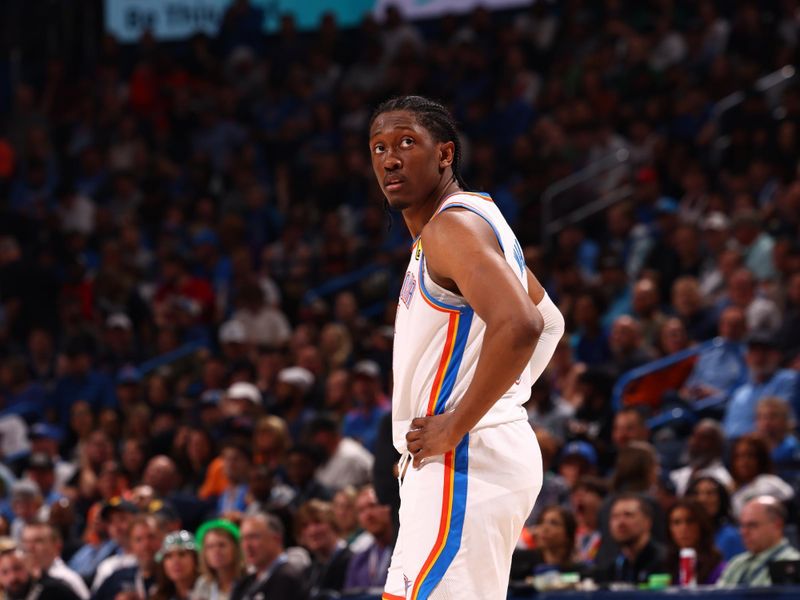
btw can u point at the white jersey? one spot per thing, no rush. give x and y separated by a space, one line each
438 337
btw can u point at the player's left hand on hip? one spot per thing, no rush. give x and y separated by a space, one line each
430 436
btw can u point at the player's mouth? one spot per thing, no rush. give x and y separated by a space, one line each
393 183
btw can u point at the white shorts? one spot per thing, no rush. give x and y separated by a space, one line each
461 515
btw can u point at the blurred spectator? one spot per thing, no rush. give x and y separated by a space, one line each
752 471
26 506
630 425
766 378
705 449
178 566
270 441
689 526
262 545
221 564
369 404
145 537
691 308
554 533
586 498
316 530
43 545
578 459
647 310
762 314
117 513
720 368
628 349
346 462
368 568
18 579
774 424
236 459
546 409
347 522
762 521
639 556
302 461
715 499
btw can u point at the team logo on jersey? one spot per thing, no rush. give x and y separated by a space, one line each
419 250
407 291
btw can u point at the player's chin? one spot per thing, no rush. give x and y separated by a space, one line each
397 201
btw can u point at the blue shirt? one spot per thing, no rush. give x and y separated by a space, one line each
740 412
96 388
729 541
787 451
721 367
363 426
88 557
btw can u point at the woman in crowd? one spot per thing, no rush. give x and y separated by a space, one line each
555 543
752 472
271 440
177 567
690 526
716 500
221 562
585 500
346 520
315 527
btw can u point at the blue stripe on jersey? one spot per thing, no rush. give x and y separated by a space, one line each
462 333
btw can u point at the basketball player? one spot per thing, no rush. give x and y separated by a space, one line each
474 329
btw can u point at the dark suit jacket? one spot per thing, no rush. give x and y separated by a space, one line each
286 583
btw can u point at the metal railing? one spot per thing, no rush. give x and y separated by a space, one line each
591 172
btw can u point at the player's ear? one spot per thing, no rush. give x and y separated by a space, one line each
447 151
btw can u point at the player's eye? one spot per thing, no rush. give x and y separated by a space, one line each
378 148
406 142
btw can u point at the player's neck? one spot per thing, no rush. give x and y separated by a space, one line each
417 216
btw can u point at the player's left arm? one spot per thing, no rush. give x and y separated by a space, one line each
463 254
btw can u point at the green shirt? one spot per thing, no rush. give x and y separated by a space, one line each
752 570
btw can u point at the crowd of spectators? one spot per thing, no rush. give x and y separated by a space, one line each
198 278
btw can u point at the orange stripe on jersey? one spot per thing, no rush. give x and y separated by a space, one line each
444 523
388 596
447 354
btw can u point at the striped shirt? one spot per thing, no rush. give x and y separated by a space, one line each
752 570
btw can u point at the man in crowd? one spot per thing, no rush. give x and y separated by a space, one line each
761 525
631 523
705 452
145 541
19 582
271 574
368 568
766 378
43 545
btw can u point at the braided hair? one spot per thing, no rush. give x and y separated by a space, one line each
435 118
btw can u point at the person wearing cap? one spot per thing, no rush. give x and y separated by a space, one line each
271 573
119 347
41 470
242 398
146 537
291 394
19 582
233 340
118 514
578 459
221 561
369 404
43 544
26 506
765 378
178 567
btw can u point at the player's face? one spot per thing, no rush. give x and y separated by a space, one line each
407 161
